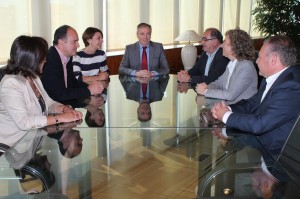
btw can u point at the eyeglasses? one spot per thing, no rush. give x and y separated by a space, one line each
207 39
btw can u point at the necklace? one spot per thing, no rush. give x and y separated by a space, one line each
37 94
34 88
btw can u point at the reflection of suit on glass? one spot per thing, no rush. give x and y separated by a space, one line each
156 88
132 61
274 117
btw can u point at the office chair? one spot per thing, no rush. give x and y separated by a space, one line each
2 72
287 162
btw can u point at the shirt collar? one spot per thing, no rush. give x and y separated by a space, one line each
213 53
141 47
64 59
231 65
271 79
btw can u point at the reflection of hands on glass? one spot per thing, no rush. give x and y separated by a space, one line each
183 76
144 79
103 76
144 73
200 100
183 87
206 119
263 184
217 132
223 140
201 88
104 84
61 127
95 88
219 109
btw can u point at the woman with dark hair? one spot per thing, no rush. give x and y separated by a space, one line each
24 104
90 63
239 81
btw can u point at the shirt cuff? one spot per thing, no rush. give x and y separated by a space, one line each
224 132
133 73
226 116
155 73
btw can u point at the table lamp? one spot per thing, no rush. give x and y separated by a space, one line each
189 51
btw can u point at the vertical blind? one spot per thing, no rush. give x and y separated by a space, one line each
118 19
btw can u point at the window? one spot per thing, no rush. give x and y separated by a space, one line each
118 19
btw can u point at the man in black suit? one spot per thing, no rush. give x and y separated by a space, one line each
153 91
58 78
211 63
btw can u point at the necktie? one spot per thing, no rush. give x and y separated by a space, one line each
144 90
262 89
144 59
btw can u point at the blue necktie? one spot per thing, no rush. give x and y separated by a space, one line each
262 88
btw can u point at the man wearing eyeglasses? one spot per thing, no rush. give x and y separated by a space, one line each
211 63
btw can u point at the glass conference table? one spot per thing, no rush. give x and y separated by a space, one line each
178 153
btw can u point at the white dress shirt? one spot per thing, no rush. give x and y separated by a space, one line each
270 81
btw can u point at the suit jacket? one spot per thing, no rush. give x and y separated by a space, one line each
53 80
216 69
19 107
133 88
242 83
274 117
131 60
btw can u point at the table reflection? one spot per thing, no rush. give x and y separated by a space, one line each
78 161
164 104
179 149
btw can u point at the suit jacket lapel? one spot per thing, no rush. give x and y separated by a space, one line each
151 54
280 79
233 72
214 59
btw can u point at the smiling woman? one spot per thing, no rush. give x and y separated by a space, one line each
90 63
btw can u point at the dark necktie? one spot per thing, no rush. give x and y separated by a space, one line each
144 59
144 90
260 93
262 88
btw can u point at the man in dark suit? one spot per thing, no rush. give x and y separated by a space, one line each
211 63
153 91
272 112
155 61
58 78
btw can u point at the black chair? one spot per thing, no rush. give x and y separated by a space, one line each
289 159
285 168
30 165
3 148
2 72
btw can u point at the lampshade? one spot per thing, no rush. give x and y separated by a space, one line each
188 35
188 52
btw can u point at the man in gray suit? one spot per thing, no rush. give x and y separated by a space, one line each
144 58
